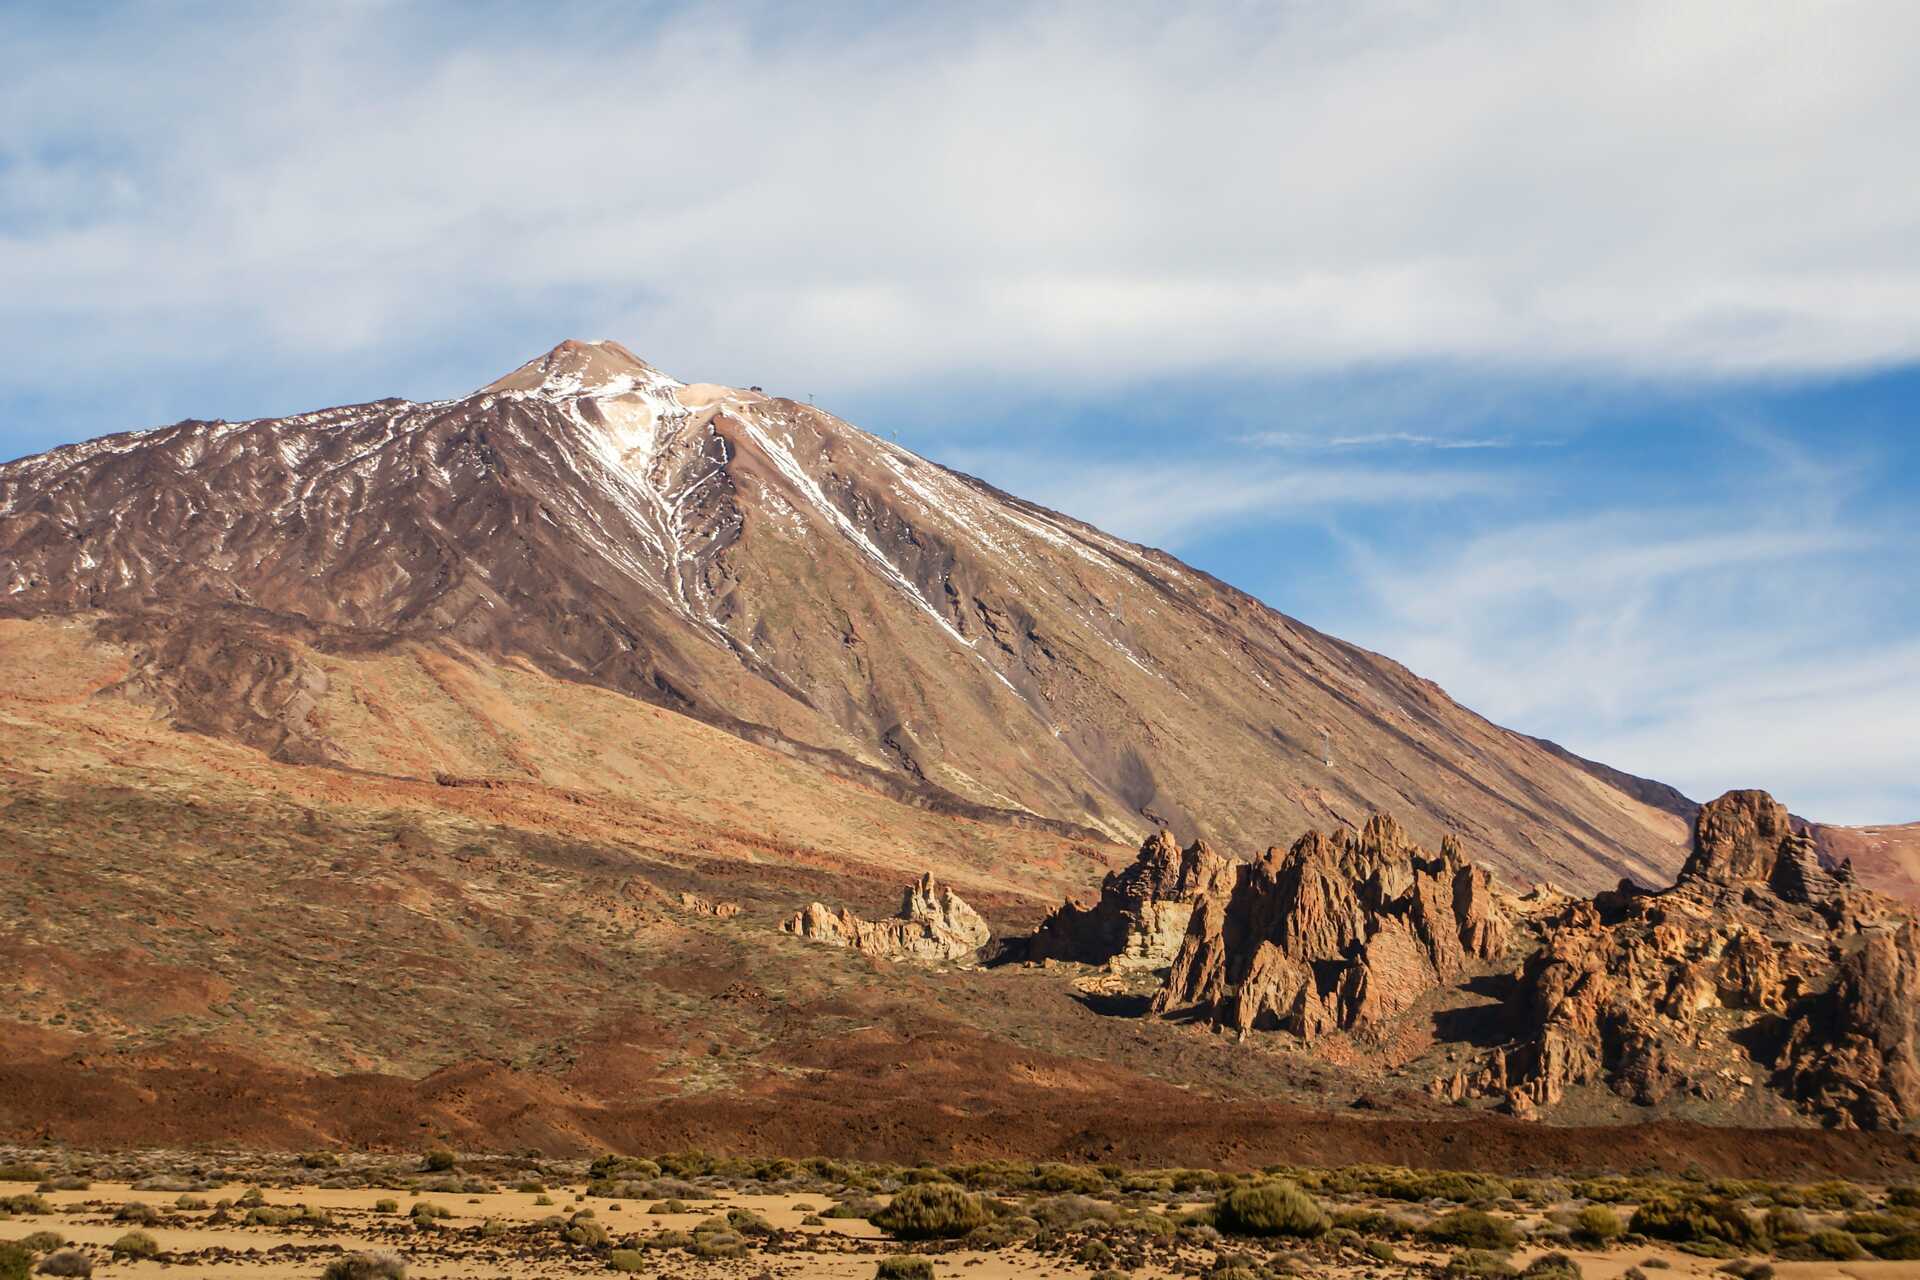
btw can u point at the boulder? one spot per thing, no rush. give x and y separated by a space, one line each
1143 910
934 923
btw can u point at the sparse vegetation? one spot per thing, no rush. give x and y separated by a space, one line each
904 1266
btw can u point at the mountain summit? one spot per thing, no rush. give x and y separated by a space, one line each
763 566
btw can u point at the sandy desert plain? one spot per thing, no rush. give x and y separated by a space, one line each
232 1214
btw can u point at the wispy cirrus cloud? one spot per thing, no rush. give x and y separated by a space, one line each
1302 441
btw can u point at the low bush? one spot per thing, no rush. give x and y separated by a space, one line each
1277 1208
191 1202
1379 1251
135 1211
15 1261
1482 1264
1551 1266
386 1206
587 1233
718 1244
904 1266
135 1244
25 1204
813 1220
627 1260
22 1173
66 1262
366 1266
748 1223
931 1211
1905 1196
1832 1242
319 1160
1473 1229
1904 1247
670 1207
42 1242
1712 1222
1597 1225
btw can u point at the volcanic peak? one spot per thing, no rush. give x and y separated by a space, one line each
575 368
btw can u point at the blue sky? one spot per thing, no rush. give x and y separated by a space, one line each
1567 353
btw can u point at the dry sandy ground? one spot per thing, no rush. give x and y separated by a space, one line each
840 1250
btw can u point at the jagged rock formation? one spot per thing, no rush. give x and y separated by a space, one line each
757 563
1143 910
1343 931
1759 954
934 924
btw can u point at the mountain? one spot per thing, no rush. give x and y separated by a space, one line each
760 565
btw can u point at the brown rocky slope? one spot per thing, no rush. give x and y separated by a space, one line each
759 564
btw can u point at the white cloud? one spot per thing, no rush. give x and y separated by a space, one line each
1163 502
1712 646
1052 192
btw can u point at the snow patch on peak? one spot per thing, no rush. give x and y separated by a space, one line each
572 369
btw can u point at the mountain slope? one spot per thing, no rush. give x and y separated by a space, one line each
763 566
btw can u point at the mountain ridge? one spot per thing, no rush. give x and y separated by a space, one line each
766 567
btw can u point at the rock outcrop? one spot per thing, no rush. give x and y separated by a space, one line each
1143 910
1338 932
934 923
1759 955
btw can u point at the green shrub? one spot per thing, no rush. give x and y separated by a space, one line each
718 1244
748 1223
607 1168
251 1197
134 1211
813 1220
626 1260
22 1173
386 1206
904 1266
66 1262
1473 1229
586 1232
930 1211
439 1160
16 1263
1551 1266
1597 1225
543 1199
1068 1177
43 1242
190 1202
1277 1208
1483 1264
1380 1251
1696 1221
1904 1247
135 1244
366 1266
1906 1196
1831 1242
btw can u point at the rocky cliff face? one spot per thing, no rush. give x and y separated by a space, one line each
758 564
1143 910
1759 962
934 923
1338 932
